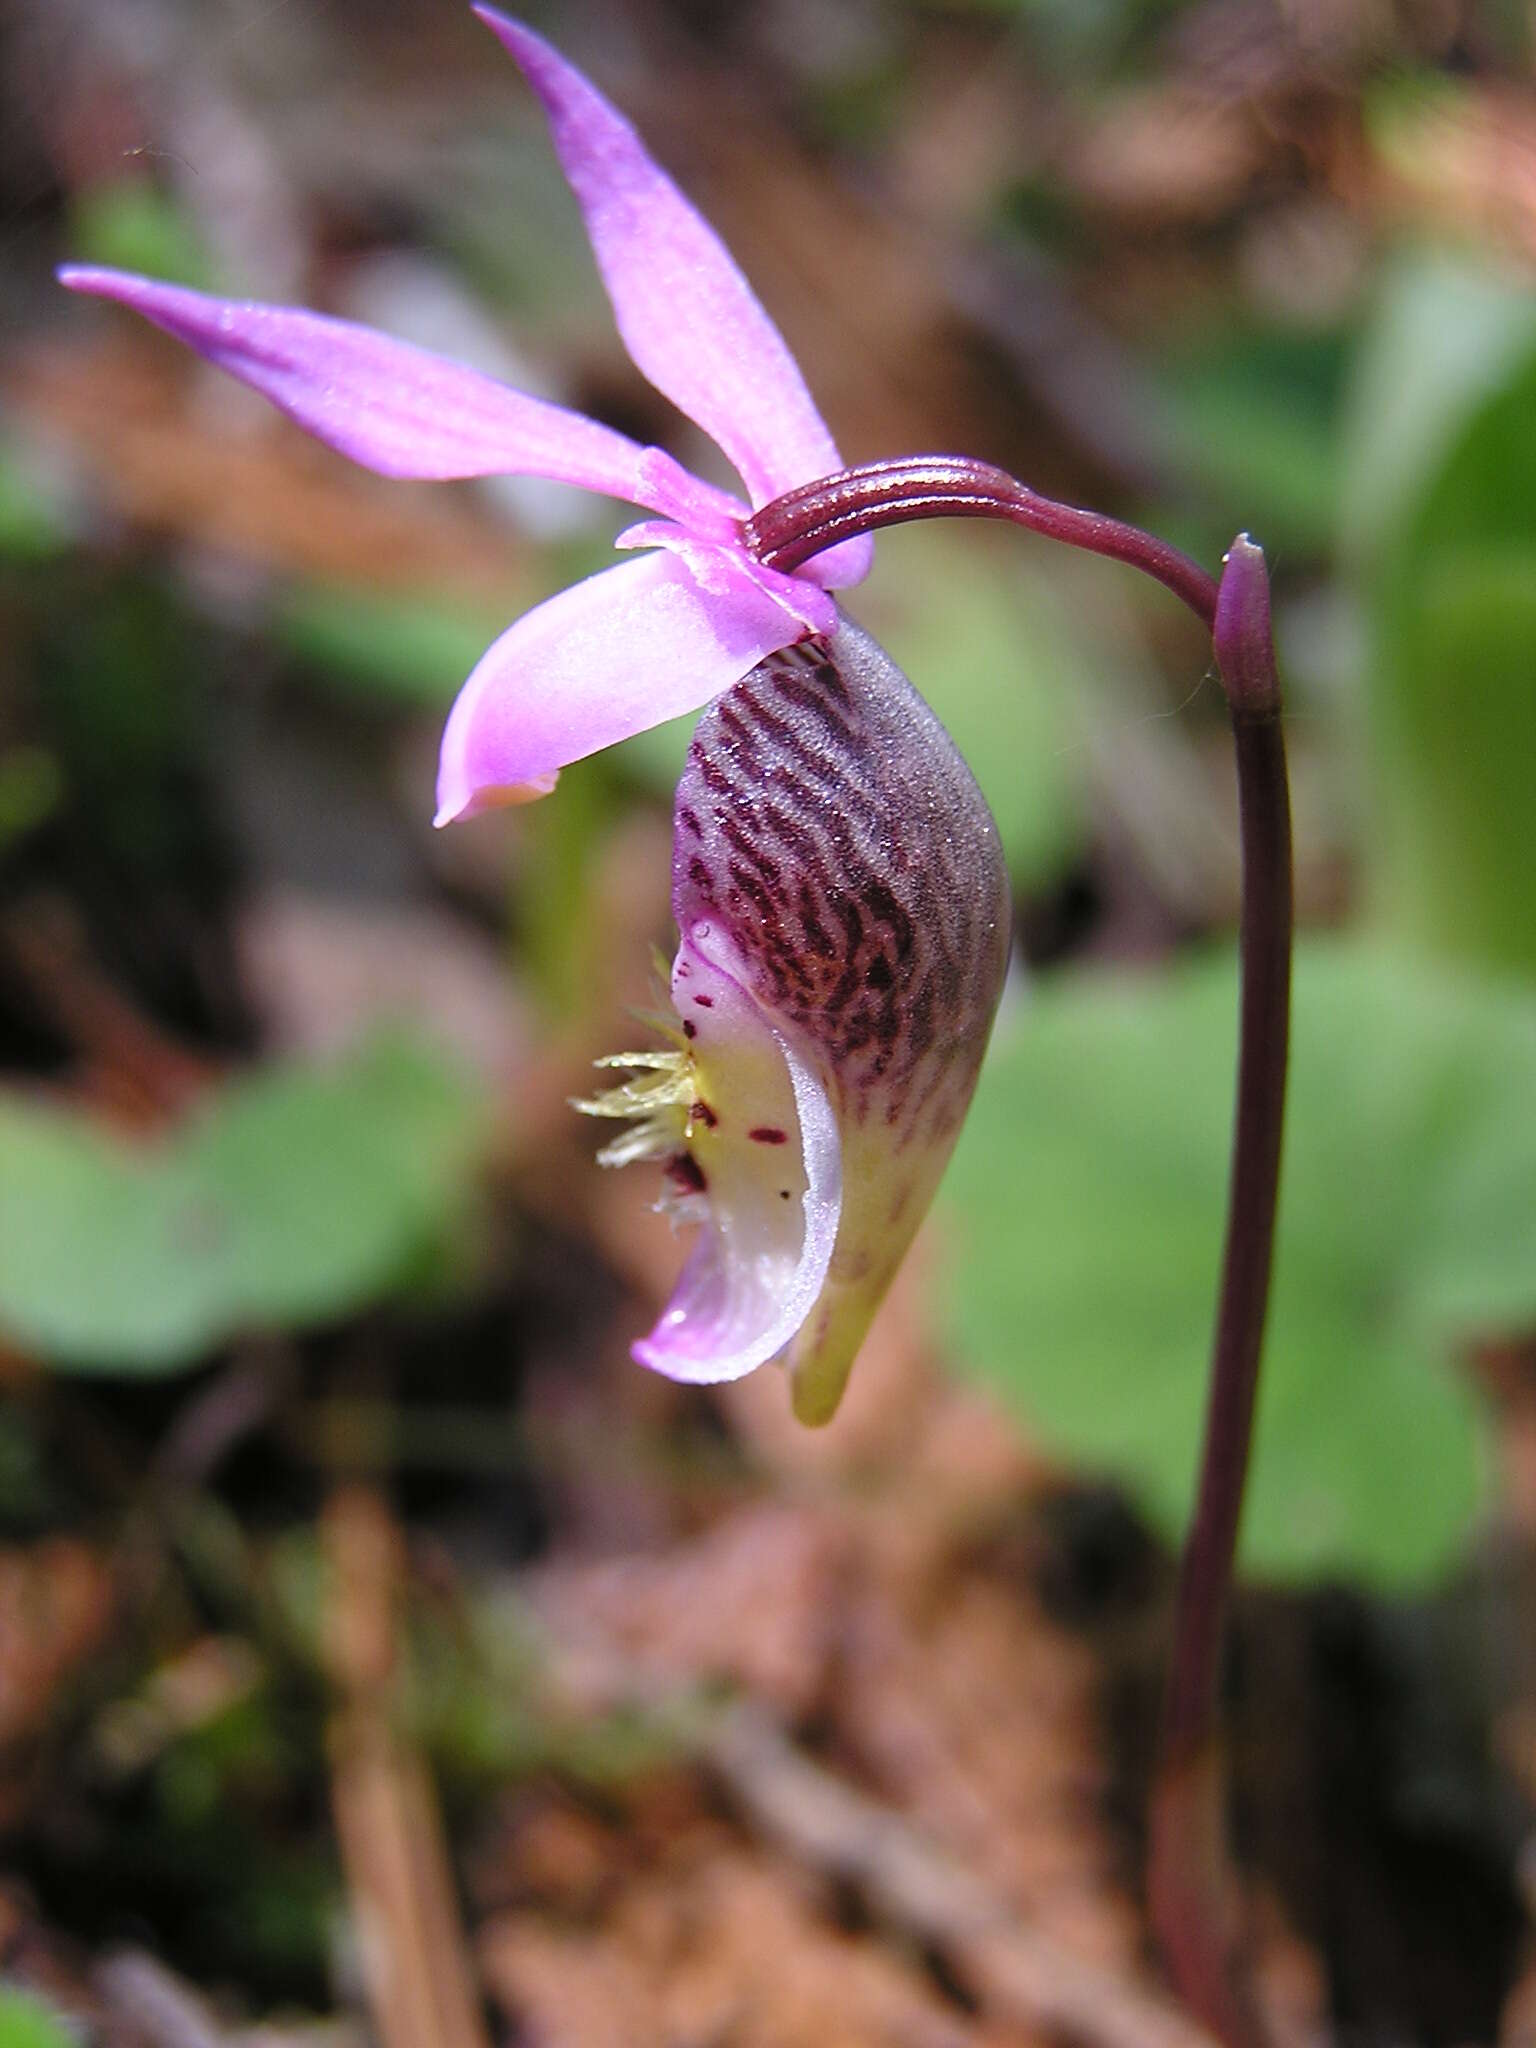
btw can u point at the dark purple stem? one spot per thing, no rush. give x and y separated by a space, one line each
804 522
1191 1896
1189 1886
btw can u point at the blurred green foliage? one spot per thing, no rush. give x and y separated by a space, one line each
472 1683
34 521
132 224
395 653
1256 413
215 1818
1085 1211
30 788
25 2022
1446 536
1014 672
1445 332
294 1196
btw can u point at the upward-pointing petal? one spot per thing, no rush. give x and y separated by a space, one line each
688 317
393 408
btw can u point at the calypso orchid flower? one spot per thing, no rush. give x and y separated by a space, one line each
838 887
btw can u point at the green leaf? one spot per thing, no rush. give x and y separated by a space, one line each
1457 740
1257 412
36 521
30 788
294 1197
1087 1205
1453 681
1446 335
654 759
133 226
410 653
558 845
413 650
25 2022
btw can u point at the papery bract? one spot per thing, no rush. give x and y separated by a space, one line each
840 898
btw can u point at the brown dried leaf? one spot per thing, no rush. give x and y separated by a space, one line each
1467 161
55 1603
1163 154
269 498
976 1716
322 970
731 1947
756 1601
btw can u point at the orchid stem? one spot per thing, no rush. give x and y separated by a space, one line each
804 522
1189 1887
1191 1895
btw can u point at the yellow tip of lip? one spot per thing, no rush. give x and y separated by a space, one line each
816 1386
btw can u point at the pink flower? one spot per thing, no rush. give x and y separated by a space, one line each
837 883
640 643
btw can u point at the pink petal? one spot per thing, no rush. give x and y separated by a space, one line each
688 317
390 407
610 657
771 1206
715 566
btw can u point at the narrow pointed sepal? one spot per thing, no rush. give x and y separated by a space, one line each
392 408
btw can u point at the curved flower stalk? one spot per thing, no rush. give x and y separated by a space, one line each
838 886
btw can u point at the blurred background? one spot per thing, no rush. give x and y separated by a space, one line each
383 1656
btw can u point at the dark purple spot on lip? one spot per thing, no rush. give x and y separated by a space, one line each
705 1002
690 1030
701 1113
768 1134
686 1174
